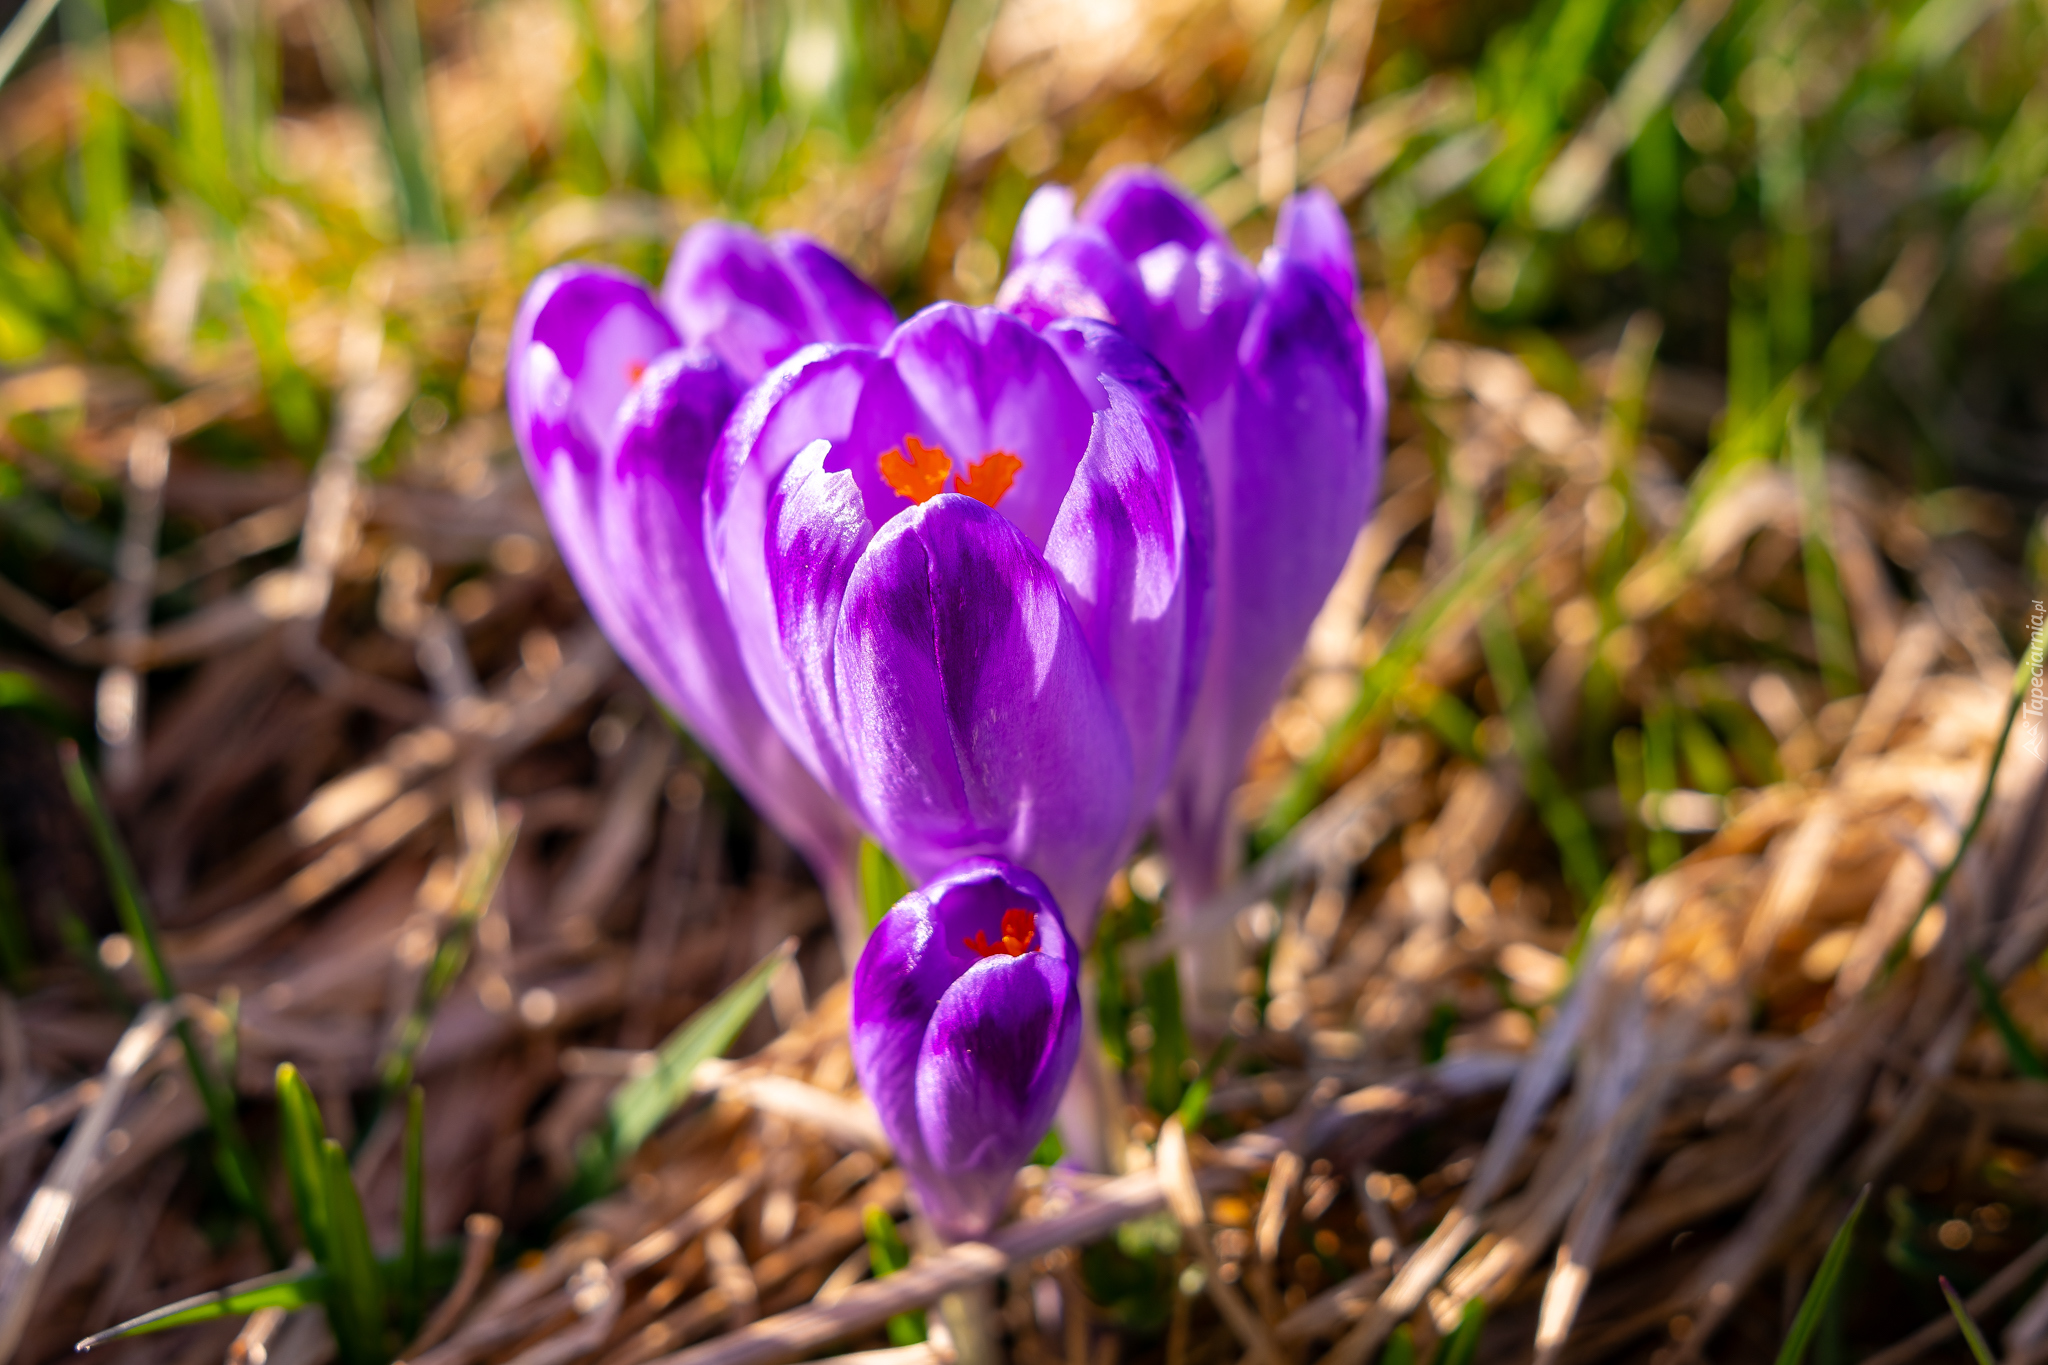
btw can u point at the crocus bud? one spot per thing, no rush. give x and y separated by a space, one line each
965 1023
616 402
1288 397
969 574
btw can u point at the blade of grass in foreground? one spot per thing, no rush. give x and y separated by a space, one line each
412 1286
1821 1292
2022 678
882 882
481 873
642 1104
2018 1049
356 1307
300 1287
236 1161
1978 1346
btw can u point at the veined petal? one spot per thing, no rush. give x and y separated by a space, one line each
1139 208
1294 456
582 337
915 986
843 397
1132 549
995 1062
973 714
989 384
756 303
676 633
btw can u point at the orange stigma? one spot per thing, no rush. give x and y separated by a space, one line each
920 478
987 481
634 369
1016 940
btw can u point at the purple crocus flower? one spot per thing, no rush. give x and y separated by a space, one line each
966 1021
968 570
617 401
1290 402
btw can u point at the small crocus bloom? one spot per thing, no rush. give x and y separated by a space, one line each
965 1024
968 569
1287 394
617 400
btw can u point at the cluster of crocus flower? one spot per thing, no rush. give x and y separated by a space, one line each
1004 588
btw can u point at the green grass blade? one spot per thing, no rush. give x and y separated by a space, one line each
882 882
301 1133
886 1255
355 1308
233 1156
1400 1347
300 1287
1821 1292
25 696
1825 605
641 1105
481 873
1462 1345
1562 816
1477 576
2026 1061
412 1292
1978 1346
2022 678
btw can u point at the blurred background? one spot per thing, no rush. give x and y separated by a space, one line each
1716 330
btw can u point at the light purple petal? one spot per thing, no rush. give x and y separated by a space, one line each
1047 214
1132 549
1198 302
843 307
995 1062
990 384
973 715
820 394
922 1002
1140 208
579 330
756 303
653 524
1079 275
1312 230
1294 454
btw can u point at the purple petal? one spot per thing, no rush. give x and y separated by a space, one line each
578 332
681 641
843 306
1198 304
916 971
1079 275
1132 549
1294 457
755 303
1140 208
972 713
990 384
1312 230
1047 214
996 1059
845 397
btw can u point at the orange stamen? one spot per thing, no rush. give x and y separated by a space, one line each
920 478
1018 931
987 481
634 369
